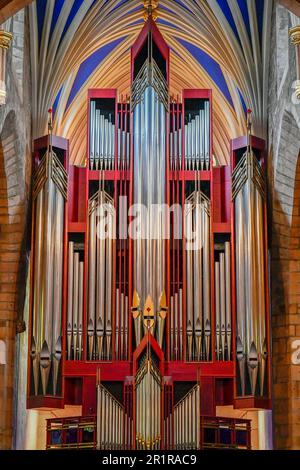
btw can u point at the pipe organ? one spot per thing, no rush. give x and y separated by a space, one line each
149 276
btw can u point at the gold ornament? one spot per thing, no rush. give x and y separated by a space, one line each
150 7
294 34
5 39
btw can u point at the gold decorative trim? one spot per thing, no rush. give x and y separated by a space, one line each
150 7
5 39
297 91
294 34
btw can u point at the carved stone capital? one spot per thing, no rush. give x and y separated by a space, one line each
294 34
5 39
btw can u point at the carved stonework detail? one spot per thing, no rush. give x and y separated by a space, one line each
5 41
295 35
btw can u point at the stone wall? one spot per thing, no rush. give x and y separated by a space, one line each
15 152
284 201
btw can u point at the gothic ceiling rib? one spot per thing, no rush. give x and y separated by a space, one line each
218 44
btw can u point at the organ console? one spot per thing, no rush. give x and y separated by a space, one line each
150 331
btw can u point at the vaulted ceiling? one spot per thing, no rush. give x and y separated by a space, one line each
218 44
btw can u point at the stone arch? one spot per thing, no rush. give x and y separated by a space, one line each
12 224
285 285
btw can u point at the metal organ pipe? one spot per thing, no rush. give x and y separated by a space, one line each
197 139
102 140
49 193
75 302
187 421
101 217
148 383
249 195
150 103
223 303
110 421
198 308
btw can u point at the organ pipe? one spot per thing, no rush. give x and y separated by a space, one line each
75 302
198 308
100 294
223 303
102 139
110 421
148 383
49 194
187 421
149 103
249 195
196 140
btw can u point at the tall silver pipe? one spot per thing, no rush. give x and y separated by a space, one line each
218 317
228 299
80 311
92 279
92 133
48 275
98 135
197 220
37 303
70 298
249 194
150 140
222 304
75 302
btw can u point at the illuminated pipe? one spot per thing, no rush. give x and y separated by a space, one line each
100 269
109 264
202 141
70 298
122 325
92 133
92 280
206 276
222 304
119 148
172 328
218 320
47 330
126 329
228 299
75 302
80 311
37 339
98 133
117 330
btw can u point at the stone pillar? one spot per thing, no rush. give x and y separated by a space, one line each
5 41
295 39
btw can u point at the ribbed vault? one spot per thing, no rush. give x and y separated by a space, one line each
218 44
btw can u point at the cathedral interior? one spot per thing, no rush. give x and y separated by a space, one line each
149 224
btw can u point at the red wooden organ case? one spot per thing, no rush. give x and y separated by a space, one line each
197 345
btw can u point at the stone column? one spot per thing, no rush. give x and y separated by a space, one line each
5 41
295 39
